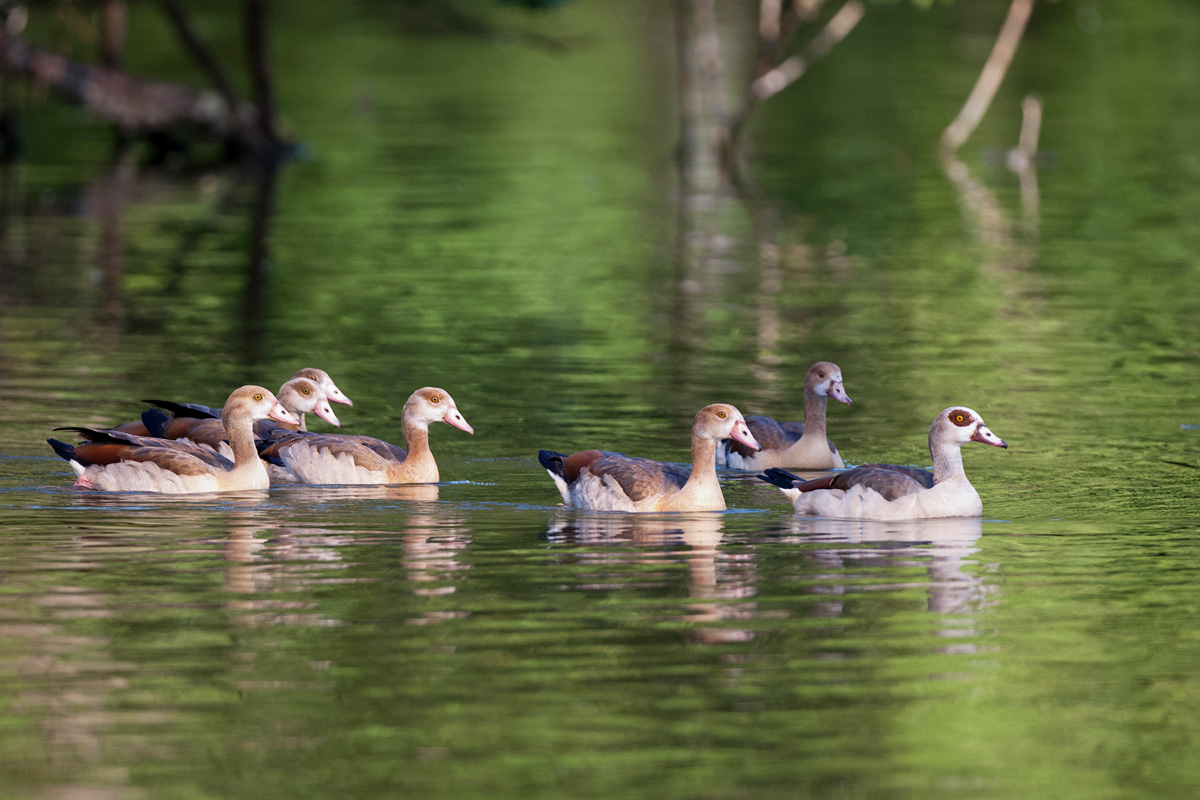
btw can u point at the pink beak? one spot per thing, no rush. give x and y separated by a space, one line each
323 411
456 419
984 435
741 433
281 414
838 392
335 394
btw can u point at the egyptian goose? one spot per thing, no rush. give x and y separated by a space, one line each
321 378
890 492
799 445
195 411
331 458
605 481
118 462
300 396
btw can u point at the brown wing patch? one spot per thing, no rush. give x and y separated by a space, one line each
202 431
136 428
172 460
640 478
101 453
573 463
355 447
129 448
889 480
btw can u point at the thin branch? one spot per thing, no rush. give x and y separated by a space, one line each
772 81
1023 161
116 96
990 78
258 53
787 73
200 52
112 33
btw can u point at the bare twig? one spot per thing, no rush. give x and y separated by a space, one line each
784 75
258 54
990 78
112 33
127 101
1023 160
200 52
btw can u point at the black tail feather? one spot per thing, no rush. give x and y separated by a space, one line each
154 419
103 437
187 409
552 461
779 477
65 451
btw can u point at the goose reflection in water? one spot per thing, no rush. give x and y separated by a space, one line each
269 556
942 546
714 577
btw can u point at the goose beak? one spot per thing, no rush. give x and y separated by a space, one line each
983 435
456 419
281 414
323 411
838 392
741 433
335 395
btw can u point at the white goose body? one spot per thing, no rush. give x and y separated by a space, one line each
111 461
794 445
350 459
607 481
890 492
954 498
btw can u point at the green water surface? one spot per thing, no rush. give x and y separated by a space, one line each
506 221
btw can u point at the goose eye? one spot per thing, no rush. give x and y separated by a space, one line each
435 399
722 414
960 418
257 397
821 375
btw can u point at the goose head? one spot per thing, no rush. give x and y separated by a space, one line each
722 421
321 378
303 396
959 425
824 379
255 402
430 405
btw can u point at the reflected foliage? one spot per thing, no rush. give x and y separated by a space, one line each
506 221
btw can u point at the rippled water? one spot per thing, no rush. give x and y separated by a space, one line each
504 222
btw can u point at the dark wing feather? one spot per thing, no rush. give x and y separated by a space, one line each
889 480
209 432
153 420
126 447
187 409
366 451
922 476
640 478
769 433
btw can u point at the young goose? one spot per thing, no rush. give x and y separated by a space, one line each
117 462
890 492
605 481
321 378
300 396
799 445
188 413
331 458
